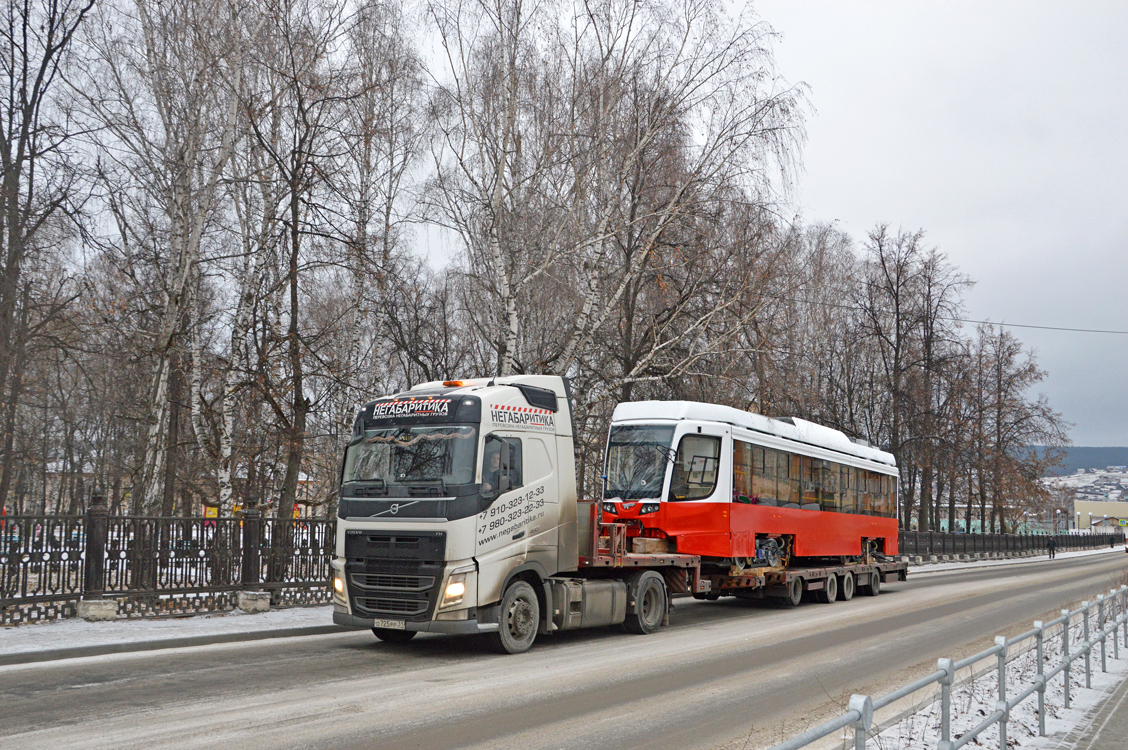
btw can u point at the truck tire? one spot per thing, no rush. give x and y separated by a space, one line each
646 603
846 587
518 619
794 592
393 636
873 588
829 591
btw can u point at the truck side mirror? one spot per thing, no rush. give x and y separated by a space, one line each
503 484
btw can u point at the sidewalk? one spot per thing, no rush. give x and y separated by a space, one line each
1107 726
926 567
1098 719
73 638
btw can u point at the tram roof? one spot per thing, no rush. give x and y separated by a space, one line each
789 428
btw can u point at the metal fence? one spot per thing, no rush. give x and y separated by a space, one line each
157 566
927 543
1111 613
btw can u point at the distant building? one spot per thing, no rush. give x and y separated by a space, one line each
1095 511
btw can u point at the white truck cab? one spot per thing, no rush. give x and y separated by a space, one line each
450 493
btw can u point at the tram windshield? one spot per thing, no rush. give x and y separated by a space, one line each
637 456
405 455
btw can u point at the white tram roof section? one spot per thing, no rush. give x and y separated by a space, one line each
799 430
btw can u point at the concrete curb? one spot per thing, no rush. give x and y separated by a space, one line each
31 657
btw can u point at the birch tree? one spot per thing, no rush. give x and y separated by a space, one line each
166 131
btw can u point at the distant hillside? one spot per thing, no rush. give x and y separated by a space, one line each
1081 457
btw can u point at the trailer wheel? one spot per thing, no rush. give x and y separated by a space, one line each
518 618
795 592
874 586
647 601
393 636
829 590
846 587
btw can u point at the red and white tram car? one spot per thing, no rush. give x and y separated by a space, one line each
747 489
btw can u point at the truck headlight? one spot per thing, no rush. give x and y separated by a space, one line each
339 595
455 590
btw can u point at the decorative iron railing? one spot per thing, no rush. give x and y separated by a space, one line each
157 566
1108 616
926 543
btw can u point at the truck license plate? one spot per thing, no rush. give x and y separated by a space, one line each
389 624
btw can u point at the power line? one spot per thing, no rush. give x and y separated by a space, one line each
958 320
1040 328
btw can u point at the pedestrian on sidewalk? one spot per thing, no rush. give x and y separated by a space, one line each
1051 547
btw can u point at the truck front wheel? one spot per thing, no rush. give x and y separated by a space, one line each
518 617
646 603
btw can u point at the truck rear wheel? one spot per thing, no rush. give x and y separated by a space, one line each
829 590
874 586
846 587
393 636
646 603
794 592
518 618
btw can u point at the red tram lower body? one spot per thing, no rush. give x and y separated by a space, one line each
729 530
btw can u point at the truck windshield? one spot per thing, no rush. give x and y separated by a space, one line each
403 455
637 456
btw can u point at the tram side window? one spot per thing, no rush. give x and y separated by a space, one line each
881 495
889 484
695 467
876 494
865 492
846 489
765 477
788 472
742 472
809 476
828 485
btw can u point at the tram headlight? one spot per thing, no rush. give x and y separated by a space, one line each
609 508
648 508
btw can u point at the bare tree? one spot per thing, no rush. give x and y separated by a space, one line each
166 131
38 178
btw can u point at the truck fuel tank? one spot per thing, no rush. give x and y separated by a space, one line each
581 603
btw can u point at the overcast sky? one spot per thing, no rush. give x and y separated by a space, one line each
1001 129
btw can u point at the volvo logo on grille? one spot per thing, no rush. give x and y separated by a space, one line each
394 509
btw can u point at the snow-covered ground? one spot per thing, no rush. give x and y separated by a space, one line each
974 697
1092 484
77 633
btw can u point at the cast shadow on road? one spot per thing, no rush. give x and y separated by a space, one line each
687 613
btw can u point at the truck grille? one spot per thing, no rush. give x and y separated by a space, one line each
394 575
400 607
382 582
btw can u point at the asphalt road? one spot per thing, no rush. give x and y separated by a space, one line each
724 674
